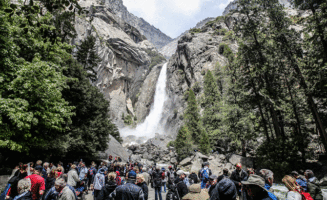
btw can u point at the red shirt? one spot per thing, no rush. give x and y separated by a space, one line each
37 184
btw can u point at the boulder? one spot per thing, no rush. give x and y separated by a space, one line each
229 166
222 156
200 155
246 162
196 165
115 149
173 160
136 158
186 161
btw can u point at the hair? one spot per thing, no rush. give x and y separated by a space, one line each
46 164
24 185
52 173
112 176
73 166
225 171
39 162
140 176
60 182
309 173
60 163
266 174
59 169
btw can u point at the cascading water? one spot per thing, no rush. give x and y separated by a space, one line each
150 126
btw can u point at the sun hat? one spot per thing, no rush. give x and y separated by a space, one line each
255 180
195 193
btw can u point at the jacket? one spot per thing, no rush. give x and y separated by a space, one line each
99 181
145 190
51 194
72 178
107 190
237 177
193 178
67 194
129 191
314 188
181 187
221 177
24 196
156 177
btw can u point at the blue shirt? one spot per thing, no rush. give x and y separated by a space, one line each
82 173
302 183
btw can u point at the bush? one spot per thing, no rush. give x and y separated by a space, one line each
171 144
128 120
195 30
220 31
196 88
226 51
156 58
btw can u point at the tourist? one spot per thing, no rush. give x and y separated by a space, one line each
268 176
60 164
193 178
128 191
212 183
300 181
83 175
224 190
118 178
164 177
223 176
23 189
50 181
140 181
91 173
205 173
45 170
99 182
108 188
59 171
171 175
72 176
255 189
196 193
65 192
237 176
157 182
146 176
180 185
37 183
313 185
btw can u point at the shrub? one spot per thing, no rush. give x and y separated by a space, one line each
195 30
220 31
196 88
203 72
156 58
171 144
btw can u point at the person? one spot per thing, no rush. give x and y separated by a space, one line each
99 181
146 176
91 173
300 181
223 176
37 183
108 188
224 190
65 192
196 193
205 173
118 178
180 185
268 175
128 191
45 170
50 181
212 183
171 175
238 175
164 177
255 189
140 181
193 178
83 175
23 189
313 185
59 171
157 182
72 176
60 164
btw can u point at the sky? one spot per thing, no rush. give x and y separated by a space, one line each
173 17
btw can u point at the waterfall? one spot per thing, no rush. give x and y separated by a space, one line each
151 125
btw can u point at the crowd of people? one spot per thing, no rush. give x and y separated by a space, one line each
130 181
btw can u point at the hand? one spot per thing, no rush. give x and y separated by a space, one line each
7 197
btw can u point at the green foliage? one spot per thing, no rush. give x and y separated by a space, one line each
196 88
195 30
218 19
128 120
204 142
88 57
171 144
183 143
156 58
220 31
225 50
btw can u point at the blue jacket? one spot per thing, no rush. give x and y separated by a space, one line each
302 183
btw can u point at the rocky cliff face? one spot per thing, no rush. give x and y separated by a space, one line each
233 5
196 53
169 49
125 61
154 35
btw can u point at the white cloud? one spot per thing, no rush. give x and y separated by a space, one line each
186 7
147 9
223 5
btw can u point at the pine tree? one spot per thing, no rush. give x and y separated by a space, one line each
183 143
192 117
204 142
88 57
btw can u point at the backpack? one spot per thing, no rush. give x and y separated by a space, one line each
172 193
205 174
163 175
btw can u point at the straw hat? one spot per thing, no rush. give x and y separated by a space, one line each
195 193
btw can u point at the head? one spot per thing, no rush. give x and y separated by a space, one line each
131 176
73 166
112 176
38 170
82 164
163 169
39 162
46 165
268 176
225 171
59 169
227 189
60 184
309 174
20 164
295 174
181 174
170 168
140 178
238 167
117 173
52 173
24 185
206 164
59 164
